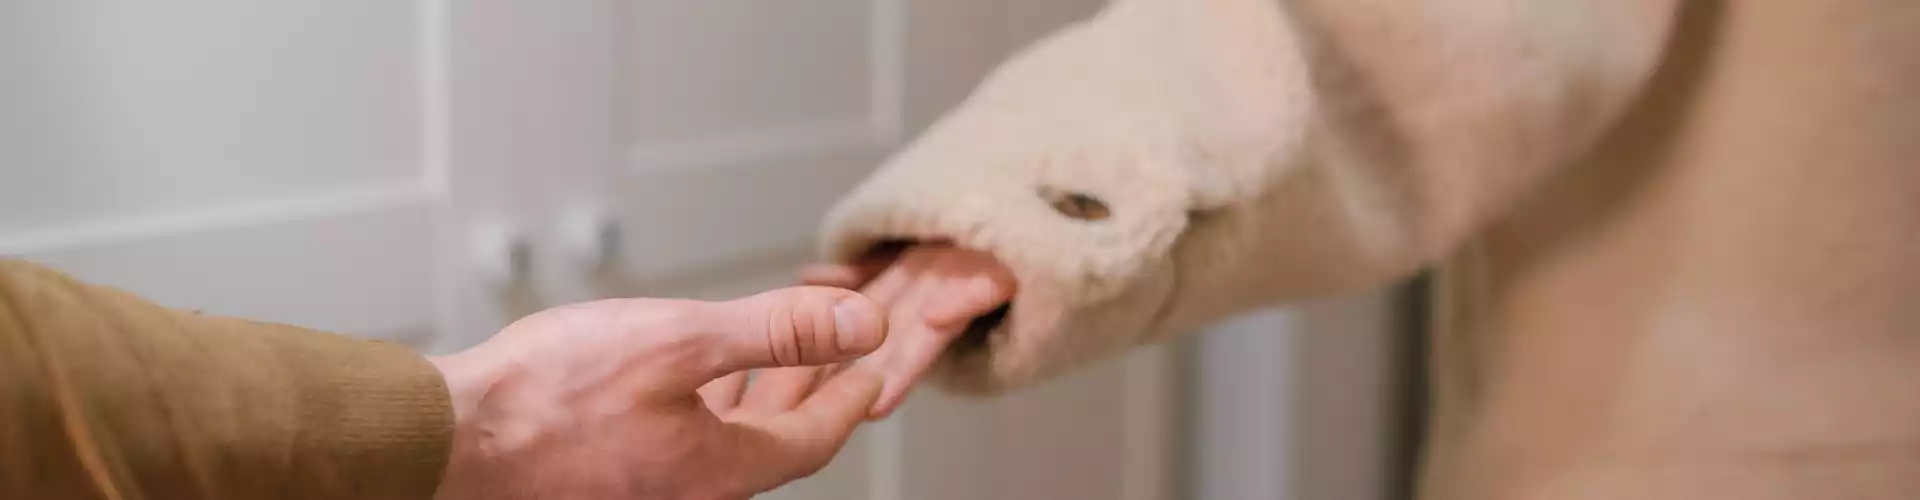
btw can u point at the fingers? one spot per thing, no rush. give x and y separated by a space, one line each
722 395
850 277
975 291
930 293
783 447
933 295
780 389
903 362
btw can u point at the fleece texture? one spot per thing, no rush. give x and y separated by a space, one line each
1247 152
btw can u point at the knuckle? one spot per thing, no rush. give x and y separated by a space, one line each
663 322
669 336
783 339
803 331
822 332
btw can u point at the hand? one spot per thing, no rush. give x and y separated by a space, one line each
932 293
598 400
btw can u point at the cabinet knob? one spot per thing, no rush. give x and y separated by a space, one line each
592 237
501 256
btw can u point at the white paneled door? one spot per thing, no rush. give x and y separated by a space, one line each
262 158
425 170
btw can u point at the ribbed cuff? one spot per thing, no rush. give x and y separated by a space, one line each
375 419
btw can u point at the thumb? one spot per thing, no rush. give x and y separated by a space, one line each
799 326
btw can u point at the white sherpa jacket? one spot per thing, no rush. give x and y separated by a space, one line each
1679 238
1169 162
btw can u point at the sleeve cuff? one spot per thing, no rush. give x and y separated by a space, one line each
1091 252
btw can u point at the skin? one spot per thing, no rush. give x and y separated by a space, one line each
931 292
604 400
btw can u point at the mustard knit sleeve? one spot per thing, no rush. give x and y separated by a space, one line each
103 395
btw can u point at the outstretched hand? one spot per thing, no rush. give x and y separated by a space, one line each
604 399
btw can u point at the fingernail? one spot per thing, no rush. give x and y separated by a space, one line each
852 326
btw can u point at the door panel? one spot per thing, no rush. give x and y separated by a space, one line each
118 109
700 71
742 122
363 270
253 158
710 211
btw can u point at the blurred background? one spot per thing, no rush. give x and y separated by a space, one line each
424 171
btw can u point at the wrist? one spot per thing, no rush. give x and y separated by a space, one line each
466 383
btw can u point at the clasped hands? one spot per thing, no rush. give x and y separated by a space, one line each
651 399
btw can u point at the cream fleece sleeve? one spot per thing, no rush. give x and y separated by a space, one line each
1169 162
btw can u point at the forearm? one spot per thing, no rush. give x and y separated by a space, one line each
108 396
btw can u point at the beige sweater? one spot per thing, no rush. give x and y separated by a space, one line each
1679 237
